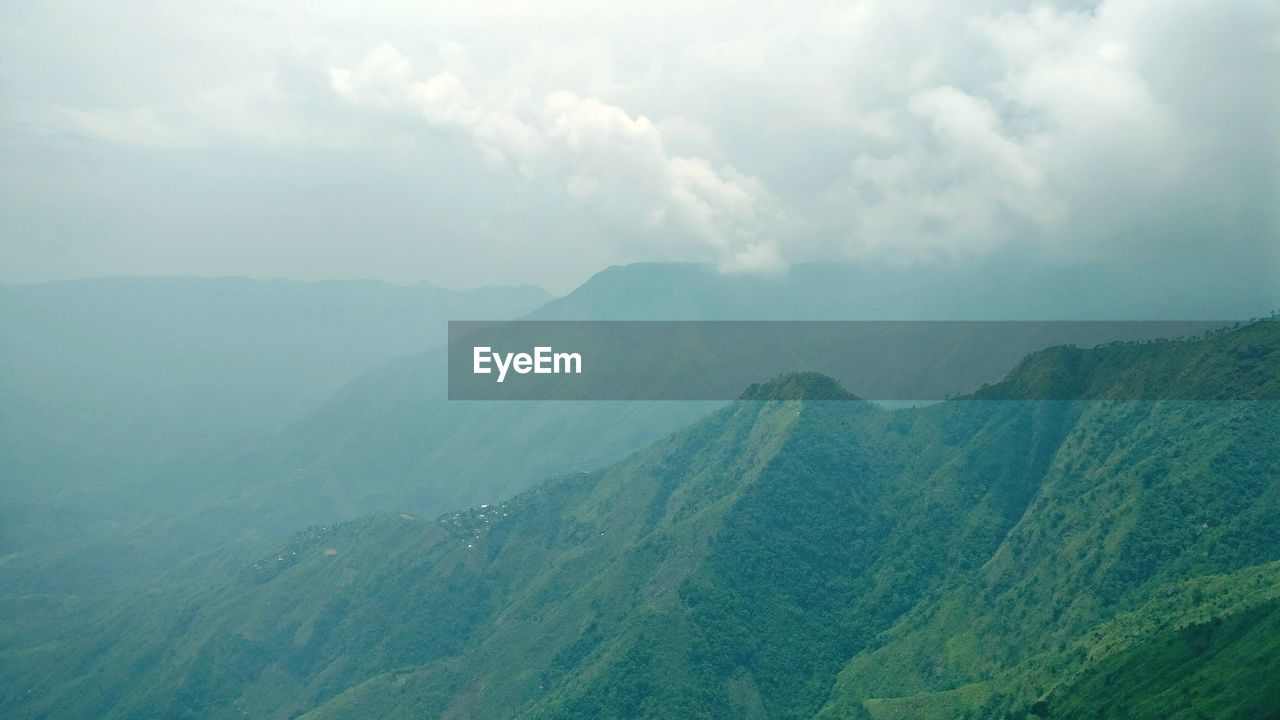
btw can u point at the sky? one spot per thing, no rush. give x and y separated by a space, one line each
503 141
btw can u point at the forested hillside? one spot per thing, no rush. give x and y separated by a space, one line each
797 554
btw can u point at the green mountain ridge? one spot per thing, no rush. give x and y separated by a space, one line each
798 386
386 439
777 559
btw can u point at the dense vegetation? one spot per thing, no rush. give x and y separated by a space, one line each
825 558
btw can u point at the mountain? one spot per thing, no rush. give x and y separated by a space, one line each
389 438
103 382
821 558
228 356
831 290
213 411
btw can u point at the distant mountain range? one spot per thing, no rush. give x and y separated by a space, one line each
224 356
829 290
780 558
163 416
105 383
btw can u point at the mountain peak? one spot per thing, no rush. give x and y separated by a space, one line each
798 386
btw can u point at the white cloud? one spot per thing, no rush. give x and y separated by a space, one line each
747 134
963 186
614 162
131 126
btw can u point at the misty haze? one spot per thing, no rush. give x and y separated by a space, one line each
247 251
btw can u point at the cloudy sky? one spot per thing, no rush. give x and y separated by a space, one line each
496 141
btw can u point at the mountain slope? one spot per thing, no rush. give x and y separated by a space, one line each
390 440
780 558
391 568
1125 666
103 380
1143 494
1220 667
